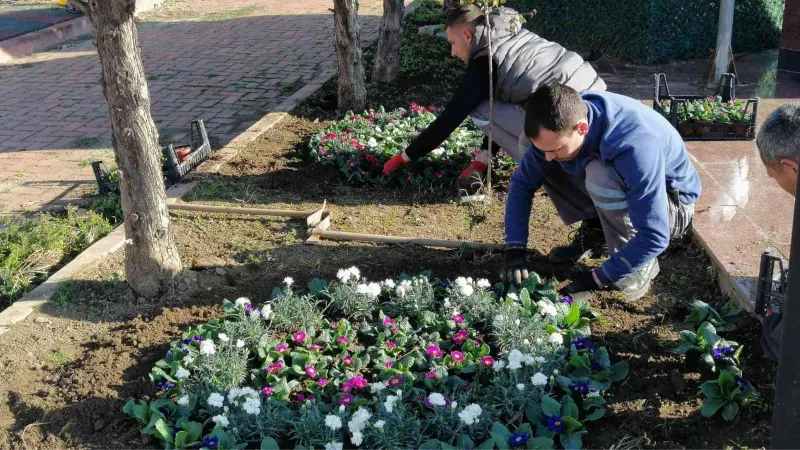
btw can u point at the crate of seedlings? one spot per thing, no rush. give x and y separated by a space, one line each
721 117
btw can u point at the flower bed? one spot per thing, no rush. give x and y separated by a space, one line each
408 363
701 117
360 144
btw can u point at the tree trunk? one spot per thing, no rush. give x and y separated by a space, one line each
388 56
151 256
347 42
450 6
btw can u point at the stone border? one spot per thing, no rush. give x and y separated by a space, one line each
22 308
35 41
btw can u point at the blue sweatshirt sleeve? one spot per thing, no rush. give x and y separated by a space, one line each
527 179
641 165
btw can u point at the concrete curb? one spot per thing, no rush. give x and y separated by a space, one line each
30 43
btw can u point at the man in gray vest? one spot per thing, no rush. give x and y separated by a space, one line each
522 61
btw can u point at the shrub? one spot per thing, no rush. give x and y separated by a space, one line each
433 378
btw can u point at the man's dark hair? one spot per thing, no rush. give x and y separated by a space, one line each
556 108
464 14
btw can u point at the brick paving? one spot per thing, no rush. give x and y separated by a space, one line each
228 69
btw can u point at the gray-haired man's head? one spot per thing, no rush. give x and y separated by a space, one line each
779 145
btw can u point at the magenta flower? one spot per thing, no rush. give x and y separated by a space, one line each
388 321
299 337
359 383
435 351
335 325
347 360
461 337
457 356
389 364
347 387
395 330
342 340
476 342
458 318
266 391
275 367
395 381
300 398
487 361
311 371
322 382
282 348
391 345
347 399
430 375
315 347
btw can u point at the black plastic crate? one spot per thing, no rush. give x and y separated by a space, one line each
771 288
706 131
172 168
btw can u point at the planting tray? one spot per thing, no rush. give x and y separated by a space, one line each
706 131
174 169
771 288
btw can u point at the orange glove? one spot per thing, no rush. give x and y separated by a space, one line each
476 166
395 163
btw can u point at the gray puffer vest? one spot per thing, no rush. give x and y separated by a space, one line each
526 61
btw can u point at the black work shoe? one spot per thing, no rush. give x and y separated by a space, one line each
636 286
587 241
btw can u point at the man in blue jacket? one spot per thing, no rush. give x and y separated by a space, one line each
608 158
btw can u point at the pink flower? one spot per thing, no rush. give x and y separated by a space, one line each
275 367
458 318
282 348
266 391
487 361
395 330
335 325
315 347
322 150
457 356
359 383
439 174
435 351
299 337
331 135
342 340
430 375
391 345
388 364
322 382
311 371
388 321
347 360
476 342
461 337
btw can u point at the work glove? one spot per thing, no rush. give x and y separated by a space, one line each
399 160
582 285
516 268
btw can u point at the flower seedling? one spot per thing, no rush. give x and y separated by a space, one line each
703 312
727 394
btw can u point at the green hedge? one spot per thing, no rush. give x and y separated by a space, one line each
648 31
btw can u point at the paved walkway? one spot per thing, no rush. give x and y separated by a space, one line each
232 63
27 18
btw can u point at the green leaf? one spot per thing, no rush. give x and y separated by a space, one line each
128 408
464 442
550 406
709 333
579 361
501 435
711 389
602 357
486 445
181 439
711 406
151 425
541 443
597 414
533 412
431 444
619 371
730 411
276 292
163 430
688 337
269 444
525 298
194 430
572 423
571 441
317 287
573 315
470 368
568 407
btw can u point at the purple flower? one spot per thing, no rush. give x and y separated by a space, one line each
391 345
741 381
518 439
582 343
275 367
346 399
169 354
487 361
388 364
211 442
435 351
282 348
322 382
163 410
388 321
395 381
555 424
342 340
347 387
315 347
248 308
347 360
461 337
299 337
567 299
724 352
164 385
596 366
430 375
581 388
458 318
457 356
311 371
185 349
300 398
266 391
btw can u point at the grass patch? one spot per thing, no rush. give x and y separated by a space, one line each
59 357
232 14
32 248
67 292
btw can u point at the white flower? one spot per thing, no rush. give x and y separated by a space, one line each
357 437
239 343
461 281
526 341
453 405
546 308
436 399
371 290
520 387
207 347
380 424
252 406
288 281
437 151
512 296
241 302
498 365
341 408
484 283
447 303
255 314
389 284
389 403
556 338
266 311
540 359
517 322
555 371
188 359
223 337
359 419
539 379
470 414
346 275
377 387
334 446
469 280
183 400
221 420
528 359
215 400
333 422
515 356
182 373
538 341
466 290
